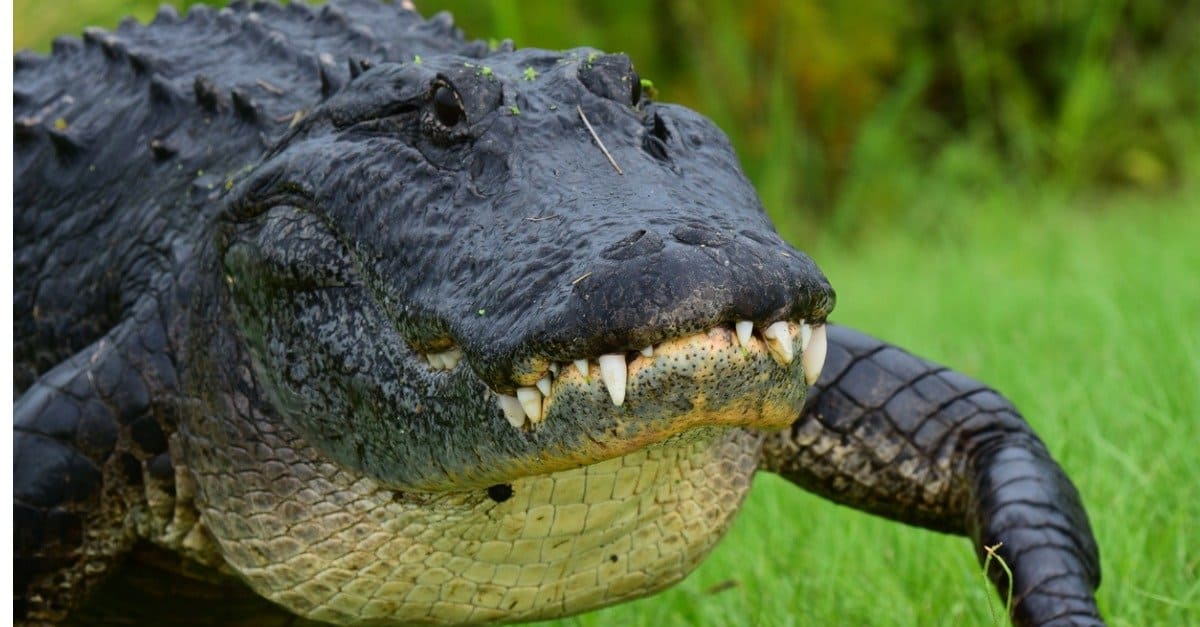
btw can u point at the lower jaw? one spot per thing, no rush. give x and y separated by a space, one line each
680 391
629 434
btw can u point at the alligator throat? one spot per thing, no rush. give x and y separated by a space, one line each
546 546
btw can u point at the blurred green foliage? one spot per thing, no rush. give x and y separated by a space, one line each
846 110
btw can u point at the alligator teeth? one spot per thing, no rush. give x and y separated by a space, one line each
612 372
779 341
526 408
531 403
813 358
512 410
744 328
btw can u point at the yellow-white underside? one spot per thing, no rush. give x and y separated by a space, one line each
338 548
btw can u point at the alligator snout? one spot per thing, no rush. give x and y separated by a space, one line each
647 288
669 320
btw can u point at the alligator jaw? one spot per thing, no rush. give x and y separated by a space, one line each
700 363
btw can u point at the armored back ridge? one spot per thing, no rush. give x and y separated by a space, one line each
126 140
333 314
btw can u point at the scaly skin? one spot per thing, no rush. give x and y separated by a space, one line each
373 331
895 435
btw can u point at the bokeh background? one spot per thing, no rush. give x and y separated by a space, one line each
1008 187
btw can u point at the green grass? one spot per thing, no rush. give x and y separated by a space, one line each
1088 317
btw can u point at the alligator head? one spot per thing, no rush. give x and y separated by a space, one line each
452 275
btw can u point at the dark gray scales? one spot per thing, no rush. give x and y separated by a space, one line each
187 102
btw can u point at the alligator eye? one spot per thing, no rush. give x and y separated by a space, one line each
447 107
637 88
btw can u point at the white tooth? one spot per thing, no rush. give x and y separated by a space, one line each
451 357
744 328
543 385
554 368
582 366
531 402
779 341
435 360
612 372
813 359
648 351
805 335
512 410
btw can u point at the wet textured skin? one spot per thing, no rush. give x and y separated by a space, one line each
239 234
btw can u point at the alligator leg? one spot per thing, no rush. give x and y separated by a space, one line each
86 448
897 436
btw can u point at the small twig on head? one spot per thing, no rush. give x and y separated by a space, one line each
597 138
585 275
987 561
541 218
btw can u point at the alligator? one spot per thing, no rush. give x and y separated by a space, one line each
331 315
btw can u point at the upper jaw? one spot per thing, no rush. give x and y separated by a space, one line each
602 308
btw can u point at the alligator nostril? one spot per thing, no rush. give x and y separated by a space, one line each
638 243
659 129
654 140
655 147
699 235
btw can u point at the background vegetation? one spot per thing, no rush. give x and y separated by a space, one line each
1008 187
